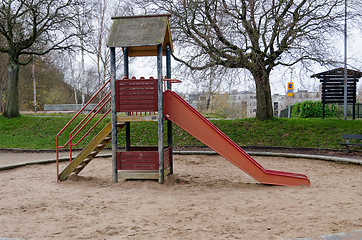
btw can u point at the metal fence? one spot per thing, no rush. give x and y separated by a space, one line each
339 111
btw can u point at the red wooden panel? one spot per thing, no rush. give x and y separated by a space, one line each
141 158
137 160
136 95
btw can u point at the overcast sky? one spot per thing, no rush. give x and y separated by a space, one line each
146 67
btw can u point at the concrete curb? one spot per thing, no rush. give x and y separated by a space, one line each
45 161
264 154
287 155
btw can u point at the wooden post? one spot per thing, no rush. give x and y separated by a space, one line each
354 89
169 123
323 95
161 176
126 73
114 115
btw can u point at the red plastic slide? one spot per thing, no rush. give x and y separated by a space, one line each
185 116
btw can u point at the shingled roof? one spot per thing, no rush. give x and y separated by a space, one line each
141 34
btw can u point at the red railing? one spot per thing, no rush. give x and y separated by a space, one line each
81 125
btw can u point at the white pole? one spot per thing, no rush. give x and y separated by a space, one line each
289 107
34 85
289 97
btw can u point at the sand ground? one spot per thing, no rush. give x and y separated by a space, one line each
206 198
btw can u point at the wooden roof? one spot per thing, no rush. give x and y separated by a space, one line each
337 74
141 34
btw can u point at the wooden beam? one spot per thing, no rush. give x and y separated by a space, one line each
161 169
138 174
145 118
113 115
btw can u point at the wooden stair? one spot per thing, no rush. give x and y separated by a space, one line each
90 151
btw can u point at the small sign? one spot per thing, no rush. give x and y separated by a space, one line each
290 86
290 89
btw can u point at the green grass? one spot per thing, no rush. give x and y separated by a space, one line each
39 132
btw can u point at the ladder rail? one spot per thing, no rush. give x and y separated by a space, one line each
71 136
81 110
86 134
89 152
92 113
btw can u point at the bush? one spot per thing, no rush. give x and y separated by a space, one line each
312 109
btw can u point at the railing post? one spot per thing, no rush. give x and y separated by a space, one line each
114 115
57 153
70 148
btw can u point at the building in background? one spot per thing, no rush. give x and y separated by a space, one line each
243 104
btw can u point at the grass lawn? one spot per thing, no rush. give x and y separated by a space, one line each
39 132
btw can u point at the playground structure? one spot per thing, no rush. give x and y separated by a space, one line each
145 100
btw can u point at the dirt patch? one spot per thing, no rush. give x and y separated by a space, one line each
207 197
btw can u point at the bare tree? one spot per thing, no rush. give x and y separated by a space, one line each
101 26
83 26
103 10
27 28
256 35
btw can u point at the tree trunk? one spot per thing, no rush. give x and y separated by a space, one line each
34 84
264 108
12 96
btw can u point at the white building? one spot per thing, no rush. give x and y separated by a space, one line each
243 104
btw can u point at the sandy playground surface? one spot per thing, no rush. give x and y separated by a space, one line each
206 198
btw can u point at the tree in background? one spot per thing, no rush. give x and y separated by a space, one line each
256 35
101 21
29 28
97 15
50 87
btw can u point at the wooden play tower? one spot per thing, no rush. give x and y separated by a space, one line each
131 100
144 99
140 99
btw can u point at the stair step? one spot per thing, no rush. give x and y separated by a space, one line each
77 170
93 153
87 161
83 163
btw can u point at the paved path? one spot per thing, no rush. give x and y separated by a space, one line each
10 160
